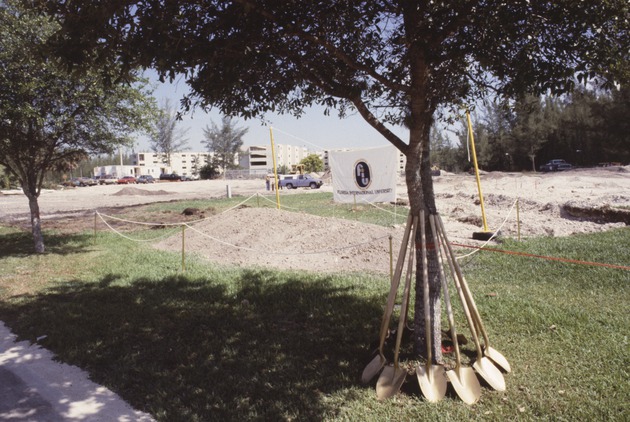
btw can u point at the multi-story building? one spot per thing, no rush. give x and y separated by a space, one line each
259 159
182 163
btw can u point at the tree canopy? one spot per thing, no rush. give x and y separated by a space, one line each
396 62
50 119
312 163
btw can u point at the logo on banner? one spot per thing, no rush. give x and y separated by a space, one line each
362 174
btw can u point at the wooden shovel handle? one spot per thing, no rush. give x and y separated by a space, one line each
391 299
426 291
447 297
456 271
406 292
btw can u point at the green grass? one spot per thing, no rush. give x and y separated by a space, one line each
221 343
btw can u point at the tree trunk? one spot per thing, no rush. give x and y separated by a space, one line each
533 158
36 224
421 197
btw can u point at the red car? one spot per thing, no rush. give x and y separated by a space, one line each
127 180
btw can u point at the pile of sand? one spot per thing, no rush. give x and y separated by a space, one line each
127 191
273 238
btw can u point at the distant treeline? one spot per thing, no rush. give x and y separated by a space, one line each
585 128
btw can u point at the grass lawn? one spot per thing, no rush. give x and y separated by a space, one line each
220 343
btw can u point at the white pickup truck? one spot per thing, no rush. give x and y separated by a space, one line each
295 181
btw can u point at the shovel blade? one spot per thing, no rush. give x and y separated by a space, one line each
466 384
372 368
432 382
496 357
390 381
490 373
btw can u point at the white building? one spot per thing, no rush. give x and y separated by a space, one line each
182 163
116 171
258 159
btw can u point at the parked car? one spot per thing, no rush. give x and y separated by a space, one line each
107 179
145 179
556 165
79 181
74 182
126 180
87 181
300 181
173 177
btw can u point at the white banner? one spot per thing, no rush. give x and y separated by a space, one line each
364 174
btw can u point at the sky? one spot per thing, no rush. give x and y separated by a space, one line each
313 130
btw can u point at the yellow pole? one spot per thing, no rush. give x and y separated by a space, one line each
183 248
474 154
275 168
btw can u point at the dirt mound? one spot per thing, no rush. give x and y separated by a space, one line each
280 239
131 191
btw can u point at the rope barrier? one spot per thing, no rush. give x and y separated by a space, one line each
494 234
234 207
140 223
332 250
161 236
380 208
550 258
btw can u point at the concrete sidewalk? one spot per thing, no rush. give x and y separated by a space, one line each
35 388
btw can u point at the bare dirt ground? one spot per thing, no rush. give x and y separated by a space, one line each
552 204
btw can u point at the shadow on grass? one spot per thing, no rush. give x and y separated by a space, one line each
190 350
20 244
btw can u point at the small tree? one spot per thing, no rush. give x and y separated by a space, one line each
207 172
167 138
50 119
283 169
224 142
312 162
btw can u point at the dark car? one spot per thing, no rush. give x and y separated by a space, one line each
127 180
80 181
145 179
173 177
556 165
74 182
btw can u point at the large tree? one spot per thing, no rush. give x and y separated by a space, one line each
50 119
393 61
167 138
224 142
